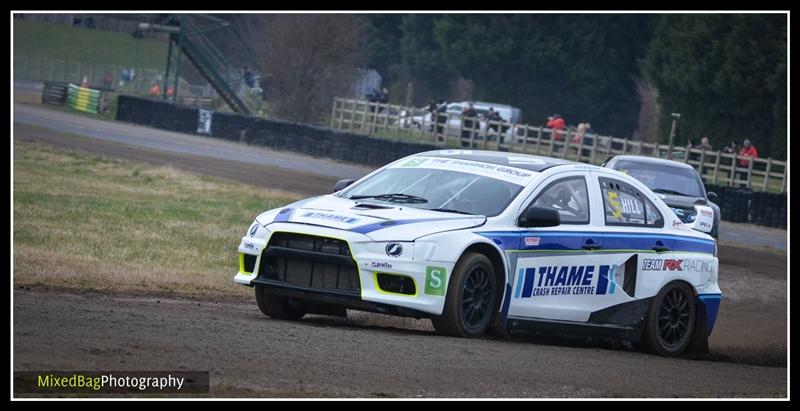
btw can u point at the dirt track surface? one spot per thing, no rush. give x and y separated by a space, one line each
247 353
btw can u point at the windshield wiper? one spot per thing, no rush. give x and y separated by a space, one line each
666 191
449 210
395 198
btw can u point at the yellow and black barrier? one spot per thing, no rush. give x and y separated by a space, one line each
83 99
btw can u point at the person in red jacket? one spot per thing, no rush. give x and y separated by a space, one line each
747 150
556 123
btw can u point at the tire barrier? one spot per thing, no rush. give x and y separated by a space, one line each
736 204
55 93
742 205
83 99
282 135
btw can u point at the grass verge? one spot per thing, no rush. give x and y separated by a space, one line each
83 222
35 38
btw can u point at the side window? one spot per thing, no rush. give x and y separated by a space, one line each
654 217
569 196
625 205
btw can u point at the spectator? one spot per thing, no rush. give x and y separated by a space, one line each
468 115
556 123
704 145
432 110
732 148
580 133
248 77
384 96
747 151
108 80
439 117
155 89
490 117
432 106
374 96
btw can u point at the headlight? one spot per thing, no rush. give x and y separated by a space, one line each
686 216
256 230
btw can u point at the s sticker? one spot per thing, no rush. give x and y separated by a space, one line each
435 279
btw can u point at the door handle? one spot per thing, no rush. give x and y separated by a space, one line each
591 246
660 248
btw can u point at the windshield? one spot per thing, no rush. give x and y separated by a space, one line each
664 179
442 190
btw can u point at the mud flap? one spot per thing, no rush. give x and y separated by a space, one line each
500 325
698 347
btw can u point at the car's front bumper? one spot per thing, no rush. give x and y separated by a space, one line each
370 259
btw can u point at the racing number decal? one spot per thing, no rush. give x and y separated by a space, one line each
435 280
615 204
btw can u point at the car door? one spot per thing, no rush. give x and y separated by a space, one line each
633 238
555 267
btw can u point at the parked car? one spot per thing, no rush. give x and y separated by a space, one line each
479 240
678 184
510 115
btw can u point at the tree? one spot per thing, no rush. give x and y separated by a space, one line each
725 74
312 58
584 67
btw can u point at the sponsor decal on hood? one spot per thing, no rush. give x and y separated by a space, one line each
397 223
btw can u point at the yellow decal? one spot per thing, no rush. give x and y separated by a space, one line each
615 204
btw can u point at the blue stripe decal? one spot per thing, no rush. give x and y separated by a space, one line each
519 282
602 280
506 304
711 302
570 240
283 215
589 234
528 287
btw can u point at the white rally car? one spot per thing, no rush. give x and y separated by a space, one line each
478 240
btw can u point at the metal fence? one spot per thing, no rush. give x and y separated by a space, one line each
69 71
449 130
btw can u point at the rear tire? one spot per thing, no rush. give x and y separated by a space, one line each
281 308
670 325
471 294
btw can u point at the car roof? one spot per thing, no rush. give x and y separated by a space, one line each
652 160
518 160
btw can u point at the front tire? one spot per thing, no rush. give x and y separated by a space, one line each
471 295
670 325
275 306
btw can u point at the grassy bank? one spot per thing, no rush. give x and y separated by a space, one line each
35 38
85 222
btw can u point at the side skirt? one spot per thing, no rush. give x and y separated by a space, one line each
622 321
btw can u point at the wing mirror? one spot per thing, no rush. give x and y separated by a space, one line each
711 195
536 216
342 184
